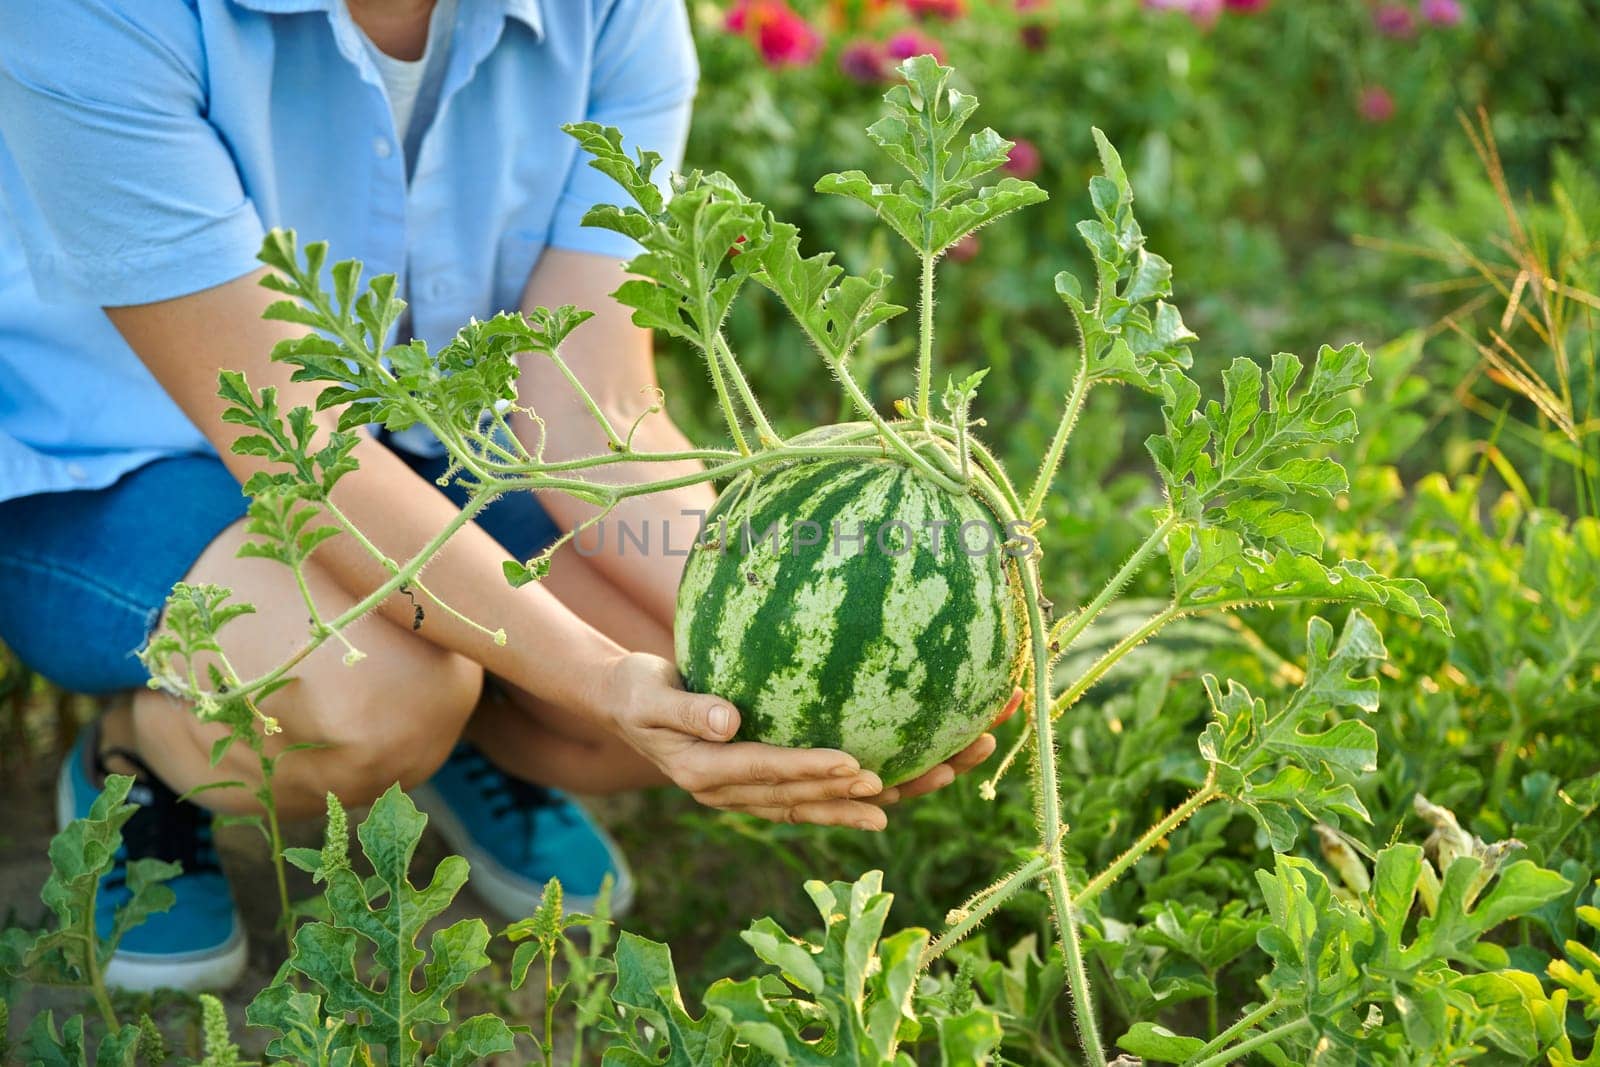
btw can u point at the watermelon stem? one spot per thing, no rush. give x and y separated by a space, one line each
1058 444
1068 630
766 436
1089 677
925 341
600 418
708 347
981 905
1149 839
1053 832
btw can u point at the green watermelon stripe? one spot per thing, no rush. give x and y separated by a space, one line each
901 659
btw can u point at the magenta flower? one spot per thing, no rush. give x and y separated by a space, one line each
1246 6
1394 20
1034 36
942 9
1442 12
1024 160
1376 105
1201 12
910 43
864 61
783 38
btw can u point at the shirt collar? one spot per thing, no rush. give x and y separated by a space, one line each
525 11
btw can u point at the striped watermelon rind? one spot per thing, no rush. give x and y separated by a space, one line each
899 652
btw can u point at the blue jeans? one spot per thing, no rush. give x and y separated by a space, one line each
84 575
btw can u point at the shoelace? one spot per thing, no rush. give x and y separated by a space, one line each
164 827
508 796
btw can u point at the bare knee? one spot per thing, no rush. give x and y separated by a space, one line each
391 722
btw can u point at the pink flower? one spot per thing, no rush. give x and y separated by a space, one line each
1376 104
864 61
1442 12
783 38
910 43
964 249
1201 12
1028 5
1394 20
1246 6
1024 159
943 9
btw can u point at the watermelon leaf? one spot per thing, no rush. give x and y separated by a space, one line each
688 274
1276 762
1232 472
1215 569
1130 331
836 310
942 202
70 951
646 992
44 1046
381 918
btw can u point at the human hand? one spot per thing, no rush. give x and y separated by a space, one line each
687 735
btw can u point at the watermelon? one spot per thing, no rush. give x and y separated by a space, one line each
853 604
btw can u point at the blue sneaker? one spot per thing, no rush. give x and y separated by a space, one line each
517 836
197 944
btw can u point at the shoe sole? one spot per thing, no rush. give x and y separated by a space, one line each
503 890
191 972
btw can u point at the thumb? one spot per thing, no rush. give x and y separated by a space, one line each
709 718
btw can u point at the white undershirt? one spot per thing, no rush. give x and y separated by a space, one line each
412 85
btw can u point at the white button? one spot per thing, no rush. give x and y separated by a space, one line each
382 146
76 472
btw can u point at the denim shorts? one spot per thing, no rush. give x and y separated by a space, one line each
84 575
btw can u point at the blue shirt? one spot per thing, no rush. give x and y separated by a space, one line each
147 145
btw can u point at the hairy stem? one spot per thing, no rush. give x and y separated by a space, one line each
765 434
1069 629
600 418
275 845
1247 1021
1148 840
981 905
1089 677
548 1045
1058 446
1266 1037
925 343
1053 832
405 574
708 345
97 978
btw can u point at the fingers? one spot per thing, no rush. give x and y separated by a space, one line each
946 772
862 786
972 755
1010 709
703 768
856 814
707 717
925 783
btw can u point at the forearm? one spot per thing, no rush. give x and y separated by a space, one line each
549 651
643 544
612 359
